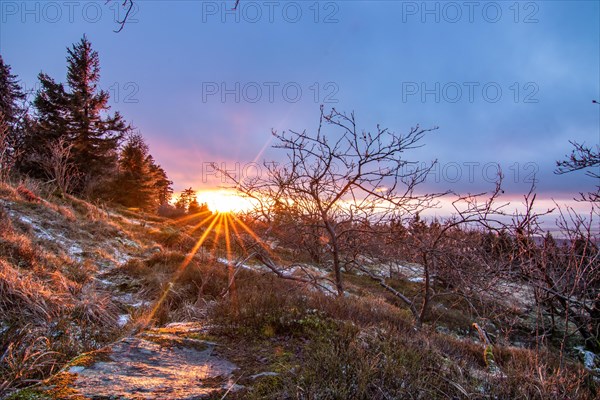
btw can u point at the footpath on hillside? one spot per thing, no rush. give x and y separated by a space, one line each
166 363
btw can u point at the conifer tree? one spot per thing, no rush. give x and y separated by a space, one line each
194 207
162 183
185 199
11 94
96 135
141 182
135 184
78 114
11 116
51 110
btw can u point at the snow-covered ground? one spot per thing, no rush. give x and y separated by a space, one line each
72 239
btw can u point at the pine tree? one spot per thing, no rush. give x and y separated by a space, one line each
162 184
185 199
12 115
11 95
96 137
135 183
78 114
141 182
51 105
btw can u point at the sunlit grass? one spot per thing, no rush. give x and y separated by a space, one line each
223 226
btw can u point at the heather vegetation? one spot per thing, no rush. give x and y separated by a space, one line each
76 278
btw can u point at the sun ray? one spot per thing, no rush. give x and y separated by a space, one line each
202 223
199 243
231 288
227 240
237 234
221 224
217 233
253 234
192 216
178 272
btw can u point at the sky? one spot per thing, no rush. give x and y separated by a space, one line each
508 83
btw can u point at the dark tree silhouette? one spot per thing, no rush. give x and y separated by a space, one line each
11 114
11 94
187 198
140 182
96 137
78 115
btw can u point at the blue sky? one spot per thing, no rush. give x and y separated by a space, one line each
506 82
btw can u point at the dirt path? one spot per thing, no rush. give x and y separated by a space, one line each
169 363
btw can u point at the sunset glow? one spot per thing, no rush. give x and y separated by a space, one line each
224 201
301 199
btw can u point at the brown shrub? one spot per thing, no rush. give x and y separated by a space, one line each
8 192
27 194
18 249
22 297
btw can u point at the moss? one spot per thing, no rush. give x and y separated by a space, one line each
268 331
89 359
265 386
488 357
60 387
28 394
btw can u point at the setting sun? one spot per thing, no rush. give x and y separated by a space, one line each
224 201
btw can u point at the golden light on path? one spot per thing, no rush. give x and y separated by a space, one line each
213 220
223 225
224 201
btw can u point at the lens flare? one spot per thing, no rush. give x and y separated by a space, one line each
224 201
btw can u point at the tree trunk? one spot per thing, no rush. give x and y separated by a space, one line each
426 291
335 249
233 297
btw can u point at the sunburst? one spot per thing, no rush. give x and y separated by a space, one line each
224 227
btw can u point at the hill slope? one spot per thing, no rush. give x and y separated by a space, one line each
95 304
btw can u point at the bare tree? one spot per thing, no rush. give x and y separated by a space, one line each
566 279
583 157
11 148
58 166
336 185
448 255
6 150
128 6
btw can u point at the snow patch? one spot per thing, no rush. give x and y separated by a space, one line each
245 266
589 359
123 319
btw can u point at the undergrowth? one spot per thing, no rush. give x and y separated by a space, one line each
313 346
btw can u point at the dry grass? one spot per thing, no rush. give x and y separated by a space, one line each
86 209
365 348
23 297
322 347
49 311
172 236
8 192
184 290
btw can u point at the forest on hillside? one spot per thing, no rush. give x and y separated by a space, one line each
65 135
